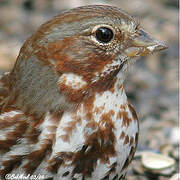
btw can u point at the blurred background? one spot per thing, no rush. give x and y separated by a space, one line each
152 85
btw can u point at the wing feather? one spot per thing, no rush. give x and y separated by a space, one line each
4 88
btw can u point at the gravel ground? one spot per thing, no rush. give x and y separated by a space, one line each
152 85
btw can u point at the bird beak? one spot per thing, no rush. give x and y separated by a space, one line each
144 44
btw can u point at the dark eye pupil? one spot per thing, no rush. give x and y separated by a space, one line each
104 34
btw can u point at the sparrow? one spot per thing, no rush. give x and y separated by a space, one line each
64 113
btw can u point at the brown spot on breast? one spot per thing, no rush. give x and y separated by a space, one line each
88 106
71 126
65 138
68 129
119 115
106 120
51 128
131 141
54 165
84 161
119 87
92 125
123 107
126 120
126 140
99 110
122 135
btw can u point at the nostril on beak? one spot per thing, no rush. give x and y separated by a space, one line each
144 39
147 41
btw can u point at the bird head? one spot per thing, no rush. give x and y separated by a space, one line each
79 52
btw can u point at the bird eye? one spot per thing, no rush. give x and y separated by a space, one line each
104 34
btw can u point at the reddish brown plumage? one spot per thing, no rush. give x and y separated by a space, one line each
64 112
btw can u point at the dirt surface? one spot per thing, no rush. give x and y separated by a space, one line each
152 84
